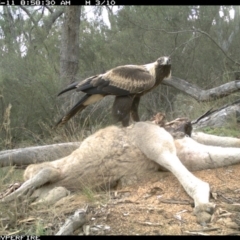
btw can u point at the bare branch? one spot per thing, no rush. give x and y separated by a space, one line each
203 95
52 18
49 9
29 14
48 22
227 56
140 25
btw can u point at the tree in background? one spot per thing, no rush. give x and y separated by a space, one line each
44 48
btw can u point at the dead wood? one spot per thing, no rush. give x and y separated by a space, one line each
226 115
206 229
30 155
73 222
203 95
181 202
150 224
196 233
213 118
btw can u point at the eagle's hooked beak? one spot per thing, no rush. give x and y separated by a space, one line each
168 61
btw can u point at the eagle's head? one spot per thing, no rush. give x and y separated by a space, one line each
160 69
163 61
163 67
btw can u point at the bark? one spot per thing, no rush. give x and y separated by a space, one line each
30 155
203 95
69 54
227 115
73 222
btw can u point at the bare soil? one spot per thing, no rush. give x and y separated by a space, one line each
154 205
158 205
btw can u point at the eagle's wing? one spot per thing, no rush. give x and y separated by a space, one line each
122 80
119 81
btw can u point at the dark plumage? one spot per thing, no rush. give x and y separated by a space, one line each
128 83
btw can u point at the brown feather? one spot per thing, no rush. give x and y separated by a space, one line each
128 83
135 79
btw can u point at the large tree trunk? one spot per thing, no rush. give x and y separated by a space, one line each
70 44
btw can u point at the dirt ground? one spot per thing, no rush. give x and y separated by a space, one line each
158 205
154 205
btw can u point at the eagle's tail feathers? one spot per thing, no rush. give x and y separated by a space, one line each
79 106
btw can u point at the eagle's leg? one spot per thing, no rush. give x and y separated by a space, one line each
121 109
134 109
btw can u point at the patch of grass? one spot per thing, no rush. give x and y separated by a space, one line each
89 193
9 175
5 128
221 131
40 229
186 106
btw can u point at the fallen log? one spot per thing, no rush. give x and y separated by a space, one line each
222 117
202 95
30 155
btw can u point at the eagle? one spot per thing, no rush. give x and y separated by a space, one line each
127 83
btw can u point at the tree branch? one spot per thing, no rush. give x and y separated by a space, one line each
206 34
48 22
29 15
52 18
203 95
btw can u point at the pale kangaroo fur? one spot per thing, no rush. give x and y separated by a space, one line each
113 153
104 155
213 140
